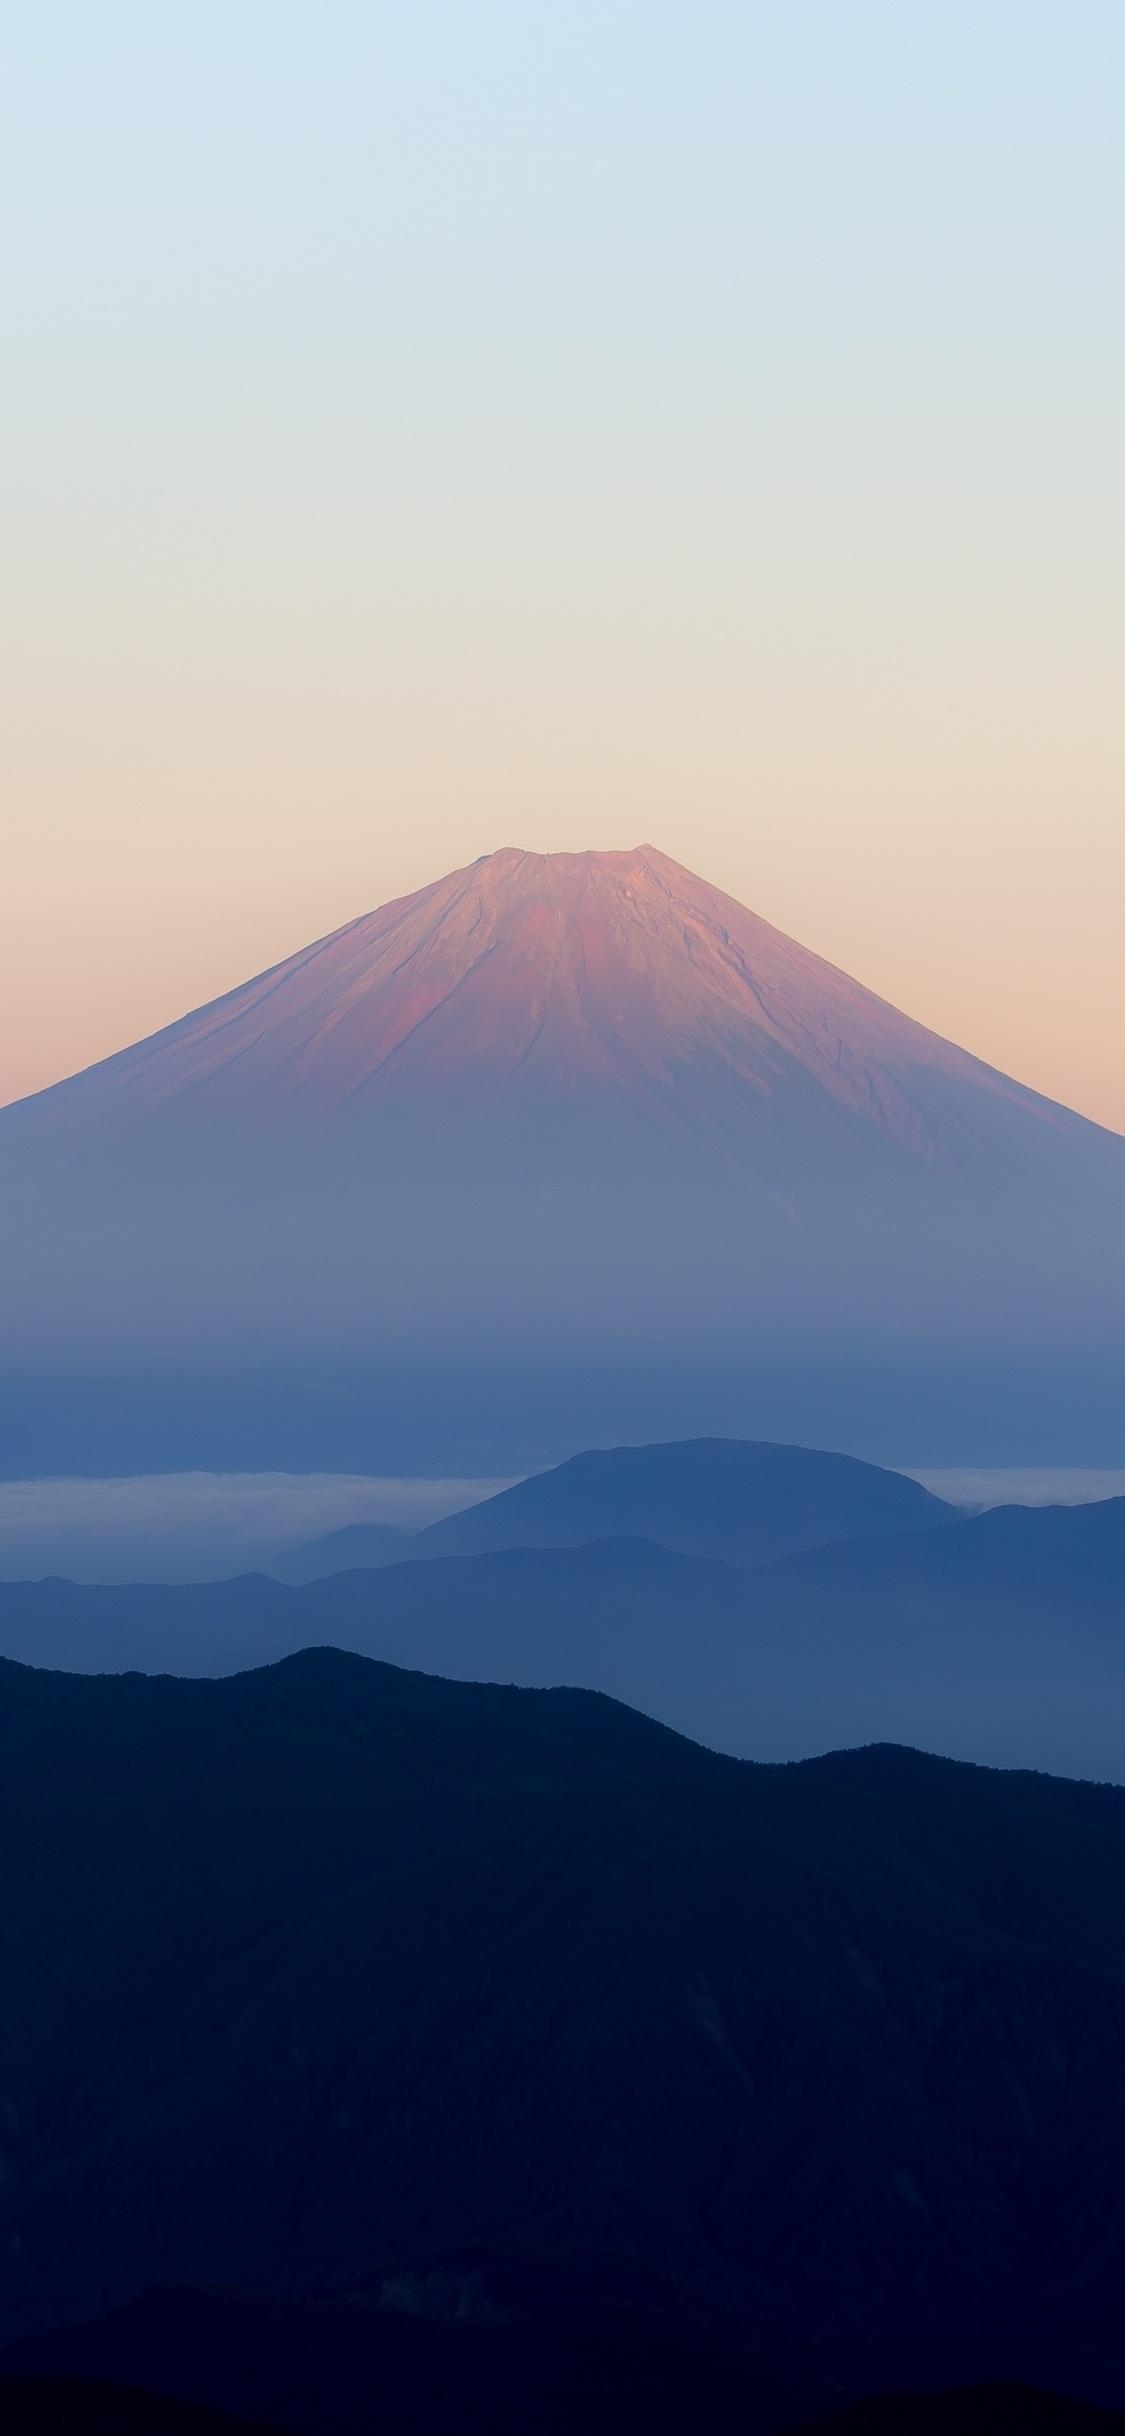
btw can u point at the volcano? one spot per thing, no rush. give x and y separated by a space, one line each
611 980
558 1117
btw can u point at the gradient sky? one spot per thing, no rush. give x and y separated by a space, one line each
495 421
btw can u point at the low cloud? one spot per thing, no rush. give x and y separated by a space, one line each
195 1526
982 1488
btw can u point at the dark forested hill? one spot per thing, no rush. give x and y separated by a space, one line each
351 2370
331 1980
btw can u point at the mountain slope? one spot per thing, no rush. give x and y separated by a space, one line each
357 1545
375 1973
725 1498
530 975
577 1117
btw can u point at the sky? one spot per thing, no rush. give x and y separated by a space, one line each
427 429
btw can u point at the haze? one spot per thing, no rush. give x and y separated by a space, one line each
433 429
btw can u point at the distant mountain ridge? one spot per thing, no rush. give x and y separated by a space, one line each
998 1637
740 1501
356 1545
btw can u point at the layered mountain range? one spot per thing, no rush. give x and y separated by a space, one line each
571 1116
771 1601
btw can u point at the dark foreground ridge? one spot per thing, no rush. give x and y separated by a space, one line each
162 2367
81 2406
337 1984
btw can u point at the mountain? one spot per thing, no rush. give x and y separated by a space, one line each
1009 1643
623 1616
357 1545
543 2359
997 1638
42 2405
337 1985
616 983
1014 2410
562 1148
339 2371
725 1498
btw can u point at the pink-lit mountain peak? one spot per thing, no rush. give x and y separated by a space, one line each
551 977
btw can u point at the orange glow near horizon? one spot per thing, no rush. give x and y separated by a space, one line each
587 426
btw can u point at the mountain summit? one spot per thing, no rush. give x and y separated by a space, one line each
530 978
482 1173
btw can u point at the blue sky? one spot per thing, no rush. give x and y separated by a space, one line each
438 427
